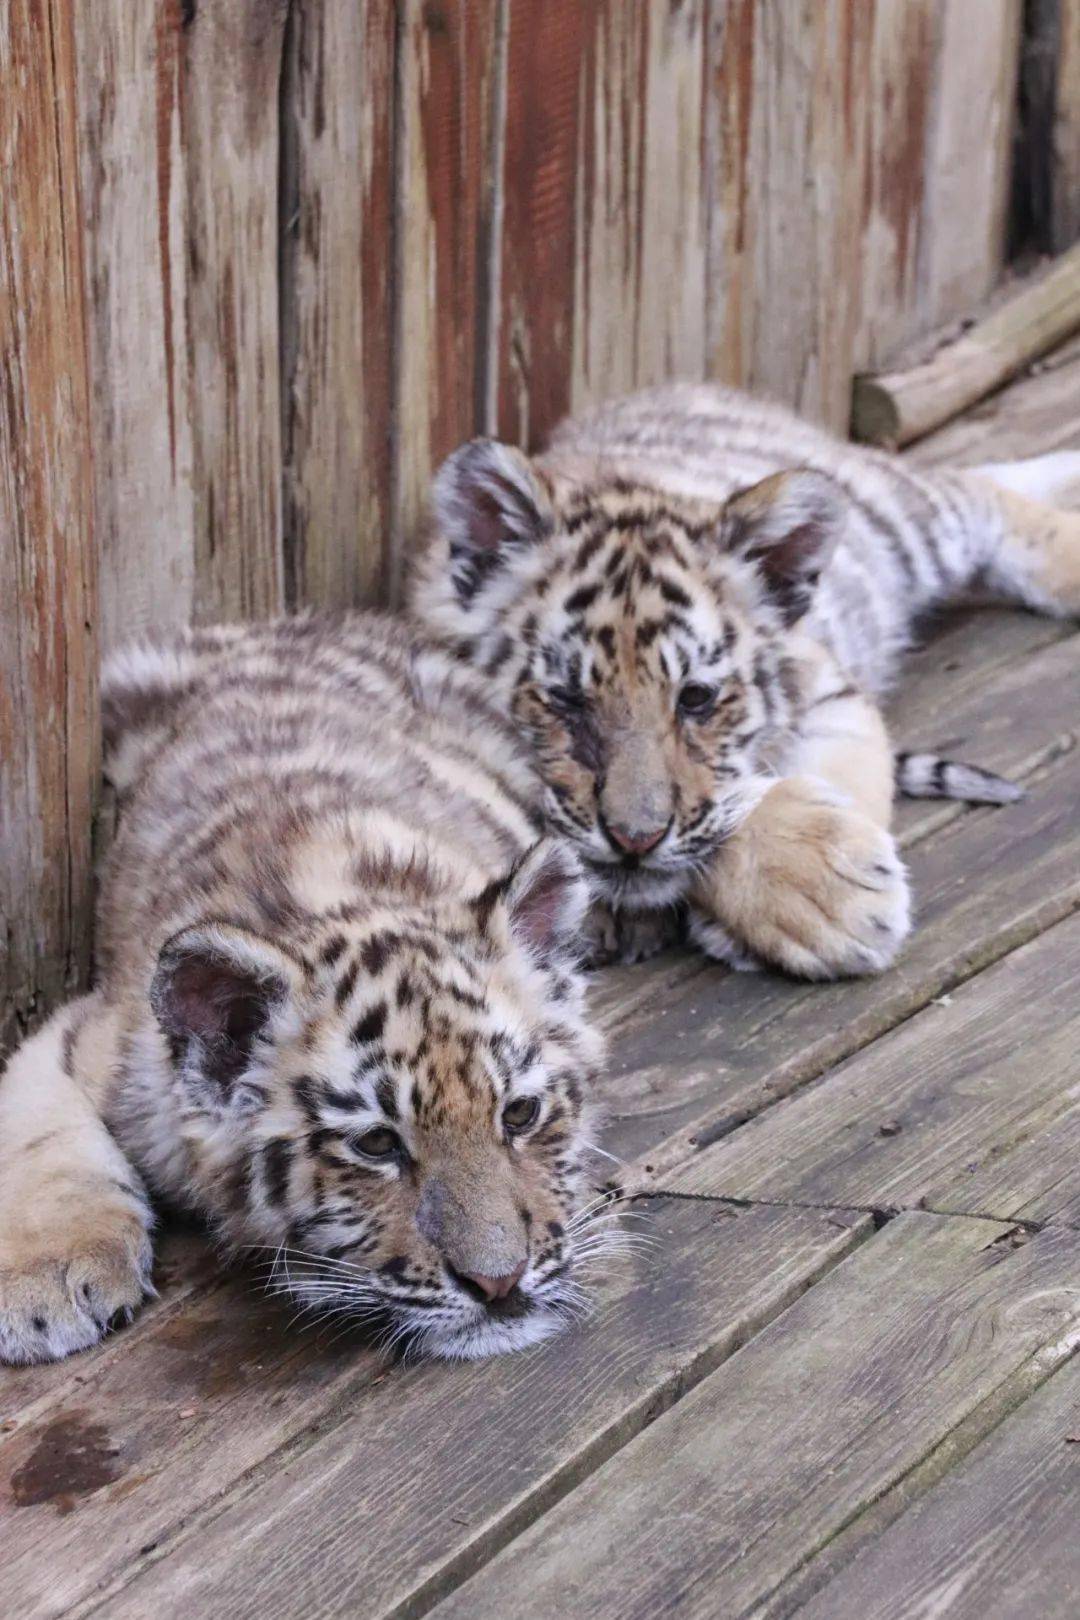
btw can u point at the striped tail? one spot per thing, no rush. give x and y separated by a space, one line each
926 776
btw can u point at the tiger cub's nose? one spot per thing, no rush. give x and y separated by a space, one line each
495 1287
634 840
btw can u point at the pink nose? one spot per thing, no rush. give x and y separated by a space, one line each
635 841
495 1287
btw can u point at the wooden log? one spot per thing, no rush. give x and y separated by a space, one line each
898 407
48 588
336 298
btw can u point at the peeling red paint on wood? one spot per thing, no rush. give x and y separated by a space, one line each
547 48
48 602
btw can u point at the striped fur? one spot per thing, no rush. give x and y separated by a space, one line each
693 598
338 1009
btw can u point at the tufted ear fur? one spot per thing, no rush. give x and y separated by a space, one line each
787 526
486 497
546 897
213 992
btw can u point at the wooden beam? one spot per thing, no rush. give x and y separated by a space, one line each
898 407
48 572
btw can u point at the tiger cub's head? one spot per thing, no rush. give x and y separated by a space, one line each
642 642
388 1104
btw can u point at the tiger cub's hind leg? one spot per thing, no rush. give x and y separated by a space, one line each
74 1218
1035 557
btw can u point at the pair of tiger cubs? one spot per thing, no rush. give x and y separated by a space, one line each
338 1006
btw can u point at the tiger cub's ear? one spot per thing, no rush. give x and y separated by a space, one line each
787 526
487 498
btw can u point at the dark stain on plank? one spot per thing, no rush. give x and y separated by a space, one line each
74 1456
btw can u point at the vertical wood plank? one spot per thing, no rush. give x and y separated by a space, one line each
976 56
729 303
449 91
133 188
548 48
336 299
1066 148
609 206
899 98
231 71
48 597
785 251
672 219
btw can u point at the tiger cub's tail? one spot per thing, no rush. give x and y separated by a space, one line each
926 776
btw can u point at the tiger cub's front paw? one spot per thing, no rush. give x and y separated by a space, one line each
809 885
63 1285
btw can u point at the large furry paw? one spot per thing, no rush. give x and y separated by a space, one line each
806 884
630 936
63 1290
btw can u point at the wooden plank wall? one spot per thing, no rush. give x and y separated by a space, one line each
274 258
1046 169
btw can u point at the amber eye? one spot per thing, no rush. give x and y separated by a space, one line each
697 700
520 1114
381 1143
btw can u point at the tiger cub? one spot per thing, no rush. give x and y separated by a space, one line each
337 1012
690 605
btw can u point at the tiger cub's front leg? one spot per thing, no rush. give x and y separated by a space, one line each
74 1218
811 882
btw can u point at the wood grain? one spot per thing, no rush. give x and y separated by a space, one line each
784 258
956 1555
976 61
348 1520
134 190
715 1506
449 89
547 45
231 69
336 266
49 736
898 135
942 1099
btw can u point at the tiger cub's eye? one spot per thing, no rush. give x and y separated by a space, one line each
521 1113
567 699
380 1143
696 700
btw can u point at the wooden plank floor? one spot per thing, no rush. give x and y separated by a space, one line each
838 1385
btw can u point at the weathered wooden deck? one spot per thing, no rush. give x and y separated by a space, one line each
839 1385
